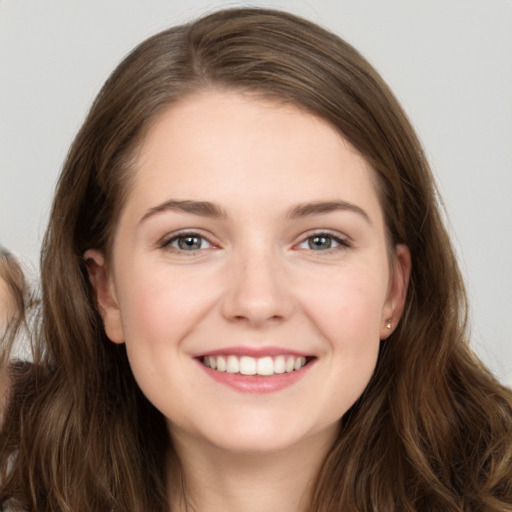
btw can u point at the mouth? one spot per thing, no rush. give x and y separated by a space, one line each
259 366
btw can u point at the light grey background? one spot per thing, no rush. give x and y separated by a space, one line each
448 61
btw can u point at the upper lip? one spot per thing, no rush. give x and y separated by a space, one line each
255 352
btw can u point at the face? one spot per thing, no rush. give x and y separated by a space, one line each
250 277
7 306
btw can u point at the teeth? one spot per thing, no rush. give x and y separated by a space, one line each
246 365
299 363
290 364
279 364
232 365
265 366
221 364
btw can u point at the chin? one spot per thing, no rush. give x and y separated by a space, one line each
266 436
256 444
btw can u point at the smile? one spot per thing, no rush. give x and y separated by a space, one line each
247 365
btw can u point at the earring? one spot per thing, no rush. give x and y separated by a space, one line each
388 325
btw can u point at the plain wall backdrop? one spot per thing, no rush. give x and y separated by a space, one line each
448 61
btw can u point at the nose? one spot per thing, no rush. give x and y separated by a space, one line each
258 293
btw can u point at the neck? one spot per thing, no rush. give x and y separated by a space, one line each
207 479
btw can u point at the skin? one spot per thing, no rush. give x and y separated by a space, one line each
7 311
7 307
254 282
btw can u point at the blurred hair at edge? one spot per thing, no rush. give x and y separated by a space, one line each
432 430
14 290
13 303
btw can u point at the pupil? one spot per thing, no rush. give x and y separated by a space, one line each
188 243
320 242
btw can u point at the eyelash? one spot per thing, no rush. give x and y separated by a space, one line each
341 242
167 243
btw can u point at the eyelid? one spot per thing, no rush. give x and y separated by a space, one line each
342 240
165 241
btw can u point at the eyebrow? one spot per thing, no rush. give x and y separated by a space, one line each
208 209
201 208
322 208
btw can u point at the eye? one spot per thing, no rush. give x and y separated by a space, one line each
188 242
323 242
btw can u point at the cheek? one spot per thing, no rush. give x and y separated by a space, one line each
348 317
158 310
352 328
348 307
161 305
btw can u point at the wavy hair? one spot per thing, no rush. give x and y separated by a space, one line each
433 429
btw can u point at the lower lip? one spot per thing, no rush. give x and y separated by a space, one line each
257 383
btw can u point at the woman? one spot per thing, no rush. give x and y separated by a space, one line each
14 298
249 298
13 290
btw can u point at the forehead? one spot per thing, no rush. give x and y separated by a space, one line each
231 145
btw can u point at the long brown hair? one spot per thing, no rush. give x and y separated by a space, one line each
433 430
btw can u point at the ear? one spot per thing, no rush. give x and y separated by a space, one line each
397 293
105 294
